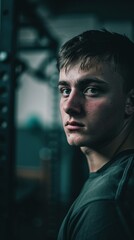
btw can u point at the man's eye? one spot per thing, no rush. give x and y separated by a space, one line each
92 91
65 92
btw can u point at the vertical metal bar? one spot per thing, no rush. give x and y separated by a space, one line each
7 129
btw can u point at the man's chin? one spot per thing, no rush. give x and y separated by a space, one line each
83 141
76 141
74 144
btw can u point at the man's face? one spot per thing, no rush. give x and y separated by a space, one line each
92 105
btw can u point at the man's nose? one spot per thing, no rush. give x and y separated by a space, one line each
73 104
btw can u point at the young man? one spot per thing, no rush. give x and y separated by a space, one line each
96 82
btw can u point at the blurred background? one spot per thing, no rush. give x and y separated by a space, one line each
40 174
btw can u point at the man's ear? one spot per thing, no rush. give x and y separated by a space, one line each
129 108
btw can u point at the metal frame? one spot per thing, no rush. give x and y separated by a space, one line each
7 129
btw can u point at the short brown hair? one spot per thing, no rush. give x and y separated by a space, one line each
94 46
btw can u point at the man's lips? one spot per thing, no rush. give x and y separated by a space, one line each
73 125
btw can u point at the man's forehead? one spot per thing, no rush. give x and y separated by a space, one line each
95 68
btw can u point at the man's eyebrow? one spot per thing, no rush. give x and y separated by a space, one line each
62 82
84 81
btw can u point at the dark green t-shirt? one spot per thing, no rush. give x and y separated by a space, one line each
104 210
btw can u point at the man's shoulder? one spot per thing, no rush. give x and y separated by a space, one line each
105 205
114 182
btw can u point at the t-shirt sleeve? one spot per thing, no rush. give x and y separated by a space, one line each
99 220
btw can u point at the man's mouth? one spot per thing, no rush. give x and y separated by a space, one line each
73 125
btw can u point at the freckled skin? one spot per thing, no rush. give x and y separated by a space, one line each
102 116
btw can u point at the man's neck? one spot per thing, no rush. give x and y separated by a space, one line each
95 160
